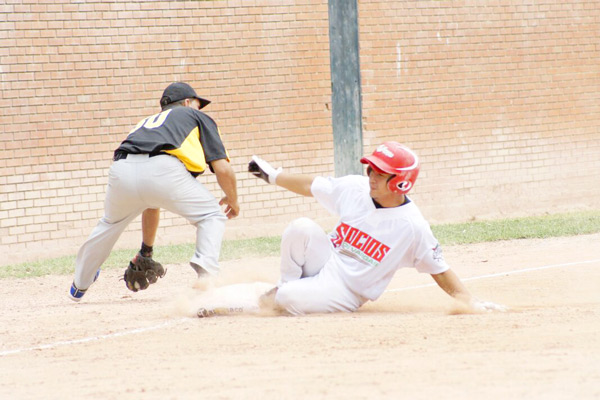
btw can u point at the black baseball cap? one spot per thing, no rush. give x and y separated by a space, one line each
180 91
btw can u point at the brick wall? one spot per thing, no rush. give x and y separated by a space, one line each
499 99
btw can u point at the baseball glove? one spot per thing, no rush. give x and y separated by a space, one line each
141 272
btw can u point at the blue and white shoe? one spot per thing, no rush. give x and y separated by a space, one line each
76 294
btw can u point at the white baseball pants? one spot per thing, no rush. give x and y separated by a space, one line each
140 182
310 280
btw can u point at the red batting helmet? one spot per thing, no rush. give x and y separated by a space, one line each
398 160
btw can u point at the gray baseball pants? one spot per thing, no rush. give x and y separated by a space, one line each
140 182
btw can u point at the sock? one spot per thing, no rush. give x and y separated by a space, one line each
146 250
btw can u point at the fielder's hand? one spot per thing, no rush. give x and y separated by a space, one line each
487 306
262 169
232 209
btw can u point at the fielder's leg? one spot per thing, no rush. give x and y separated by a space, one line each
95 251
180 193
150 221
143 260
121 205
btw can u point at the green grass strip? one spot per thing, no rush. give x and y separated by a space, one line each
556 225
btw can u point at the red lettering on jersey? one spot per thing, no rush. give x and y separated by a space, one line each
352 233
381 252
340 232
360 240
370 247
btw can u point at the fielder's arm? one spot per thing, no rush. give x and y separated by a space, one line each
150 221
227 181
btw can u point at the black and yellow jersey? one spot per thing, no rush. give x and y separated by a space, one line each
184 132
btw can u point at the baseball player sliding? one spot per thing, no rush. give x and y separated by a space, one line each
380 230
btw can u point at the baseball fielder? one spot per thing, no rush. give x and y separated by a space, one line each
155 167
380 230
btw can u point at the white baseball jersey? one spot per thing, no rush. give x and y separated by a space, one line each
371 244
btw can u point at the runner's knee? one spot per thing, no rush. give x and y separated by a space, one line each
302 225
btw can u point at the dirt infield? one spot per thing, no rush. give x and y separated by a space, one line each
415 342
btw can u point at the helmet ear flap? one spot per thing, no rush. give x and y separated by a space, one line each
398 184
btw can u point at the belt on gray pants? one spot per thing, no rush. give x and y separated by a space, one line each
121 155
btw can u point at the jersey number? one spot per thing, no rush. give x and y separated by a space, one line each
153 121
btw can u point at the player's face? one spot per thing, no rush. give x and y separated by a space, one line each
378 183
194 103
